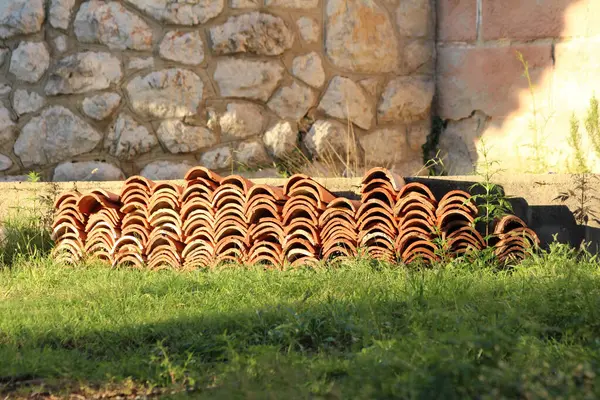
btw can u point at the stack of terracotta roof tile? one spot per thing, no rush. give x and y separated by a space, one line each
103 227
130 248
339 230
198 217
68 229
165 244
307 202
513 240
415 213
213 219
456 214
264 216
377 228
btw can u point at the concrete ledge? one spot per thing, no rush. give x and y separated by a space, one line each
532 198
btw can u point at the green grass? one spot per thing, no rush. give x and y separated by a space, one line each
363 330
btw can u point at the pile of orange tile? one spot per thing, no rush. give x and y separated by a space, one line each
214 219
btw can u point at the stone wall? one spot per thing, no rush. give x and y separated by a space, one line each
101 90
482 92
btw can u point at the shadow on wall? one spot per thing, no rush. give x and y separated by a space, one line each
521 108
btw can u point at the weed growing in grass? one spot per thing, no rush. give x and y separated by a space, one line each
27 228
492 201
585 196
582 192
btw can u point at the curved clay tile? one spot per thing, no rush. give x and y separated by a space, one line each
136 218
129 242
413 200
68 219
336 225
261 210
507 223
132 260
163 201
292 180
204 173
396 180
318 193
341 249
227 232
202 233
64 228
454 215
466 230
70 237
301 212
104 216
375 204
338 208
99 250
227 194
93 201
134 189
525 233
335 216
403 241
198 213
194 226
301 230
134 205
376 222
295 185
67 252
381 194
103 226
231 250
276 193
339 234
167 187
164 216
138 232
238 181
417 215
514 252
266 251
201 189
381 254
419 247
198 257
416 188
163 233
72 210
465 239
65 198
230 210
374 184
457 199
269 228
163 242
376 239
304 202
163 261
139 180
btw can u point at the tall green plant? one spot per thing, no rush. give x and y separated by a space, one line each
574 142
491 199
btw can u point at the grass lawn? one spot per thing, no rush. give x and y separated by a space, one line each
362 330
